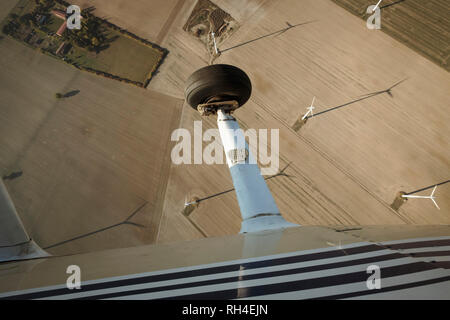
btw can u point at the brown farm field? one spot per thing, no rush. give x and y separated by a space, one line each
148 19
88 161
424 26
92 160
349 162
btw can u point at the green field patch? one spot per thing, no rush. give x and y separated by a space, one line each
125 57
99 47
54 24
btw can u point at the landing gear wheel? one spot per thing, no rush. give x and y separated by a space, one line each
220 82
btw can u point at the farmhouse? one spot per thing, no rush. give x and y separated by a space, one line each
62 15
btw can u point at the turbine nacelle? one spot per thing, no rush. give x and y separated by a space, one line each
310 110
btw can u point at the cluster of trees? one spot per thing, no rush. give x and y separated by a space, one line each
12 26
91 36
45 3
29 19
43 6
111 76
42 9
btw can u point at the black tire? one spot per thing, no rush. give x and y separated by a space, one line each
219 82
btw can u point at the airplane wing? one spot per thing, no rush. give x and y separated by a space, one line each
15 244
307 262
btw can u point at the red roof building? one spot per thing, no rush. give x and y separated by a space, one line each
61 29
60 48
60 14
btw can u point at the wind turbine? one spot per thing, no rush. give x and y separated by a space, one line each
186 203
424 197
310 110
214 40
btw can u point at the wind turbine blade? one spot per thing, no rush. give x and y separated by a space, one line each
432 192
312 103
376 6
397 83
306 115
435 204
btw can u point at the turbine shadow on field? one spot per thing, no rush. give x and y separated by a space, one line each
126 221
268 35
13 175
364 97
190 207
429 187
363 10
280 173
392 4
